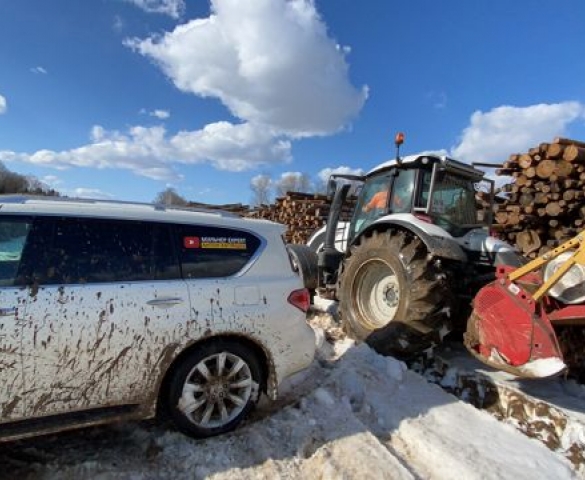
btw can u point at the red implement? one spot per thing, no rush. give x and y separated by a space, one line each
509 331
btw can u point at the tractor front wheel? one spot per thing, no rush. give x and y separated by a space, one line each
392 296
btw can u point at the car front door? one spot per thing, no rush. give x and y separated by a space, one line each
14 231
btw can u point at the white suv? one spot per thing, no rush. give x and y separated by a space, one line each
116 310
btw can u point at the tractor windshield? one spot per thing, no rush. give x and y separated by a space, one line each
372 203
383 194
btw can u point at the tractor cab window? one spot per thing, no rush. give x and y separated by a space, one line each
453 202
381 195
401 198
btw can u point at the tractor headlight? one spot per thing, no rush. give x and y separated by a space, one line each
571 286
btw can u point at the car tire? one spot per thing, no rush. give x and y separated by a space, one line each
391 295
214 389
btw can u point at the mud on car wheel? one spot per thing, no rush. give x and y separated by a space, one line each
214 389
392 296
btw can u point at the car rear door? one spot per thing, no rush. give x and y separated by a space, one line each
105 301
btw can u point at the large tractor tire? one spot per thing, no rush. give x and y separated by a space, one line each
392 296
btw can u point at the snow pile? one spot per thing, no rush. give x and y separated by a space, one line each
353 414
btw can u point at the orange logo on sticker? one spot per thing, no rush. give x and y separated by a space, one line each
191 242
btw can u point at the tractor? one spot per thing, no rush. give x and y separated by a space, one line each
417 261
417 249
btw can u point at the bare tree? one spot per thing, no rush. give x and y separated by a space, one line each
170 196
11 182
260 186
292 182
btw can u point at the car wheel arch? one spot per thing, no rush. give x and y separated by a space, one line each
269 384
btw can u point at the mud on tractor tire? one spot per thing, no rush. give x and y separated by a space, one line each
392 296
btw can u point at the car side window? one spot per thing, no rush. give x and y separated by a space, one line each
208 252
85 250
13 234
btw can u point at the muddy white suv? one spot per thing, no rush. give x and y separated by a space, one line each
115 310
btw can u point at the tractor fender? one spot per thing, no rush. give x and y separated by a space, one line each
304 262
441 246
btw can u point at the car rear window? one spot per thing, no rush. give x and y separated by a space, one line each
215 251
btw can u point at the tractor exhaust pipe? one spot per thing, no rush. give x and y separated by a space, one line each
329 258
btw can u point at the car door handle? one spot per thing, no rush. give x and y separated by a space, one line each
165 301
7 312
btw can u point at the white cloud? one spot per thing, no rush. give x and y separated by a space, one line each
272 65
51 180
173 8
270 62
3 105
327 172
150 152
494 135
118 24
39 70
160 114
82 192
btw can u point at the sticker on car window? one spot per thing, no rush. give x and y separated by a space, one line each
191 242
228 243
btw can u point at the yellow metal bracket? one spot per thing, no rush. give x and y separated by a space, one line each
578 257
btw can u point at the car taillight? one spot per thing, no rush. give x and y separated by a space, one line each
300 299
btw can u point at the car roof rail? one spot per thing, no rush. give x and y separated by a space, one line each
21 198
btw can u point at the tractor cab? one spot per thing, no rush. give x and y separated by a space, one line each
436 190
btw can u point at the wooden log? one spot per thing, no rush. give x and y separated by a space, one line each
501 218
526 199
572 194
555 150
573 153
542 187
528 241
541 198
553 209
543 147
513 218
563 169
525 161
545 169
522 179
568 141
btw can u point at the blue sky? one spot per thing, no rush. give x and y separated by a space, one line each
123 98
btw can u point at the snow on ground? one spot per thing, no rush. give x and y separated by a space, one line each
352 414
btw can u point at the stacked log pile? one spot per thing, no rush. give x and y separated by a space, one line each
302 213
545 204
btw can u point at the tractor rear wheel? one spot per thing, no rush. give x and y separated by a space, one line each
392 296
